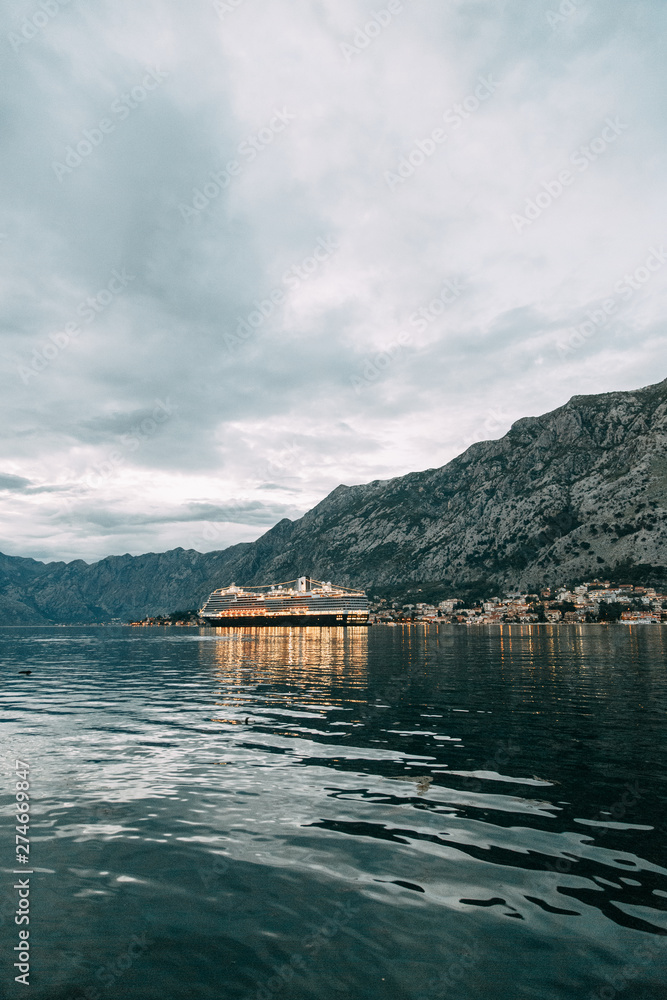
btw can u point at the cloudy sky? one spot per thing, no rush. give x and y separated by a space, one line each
257 248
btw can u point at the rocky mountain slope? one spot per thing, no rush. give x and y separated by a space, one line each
580 492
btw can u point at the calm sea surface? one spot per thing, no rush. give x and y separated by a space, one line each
377 813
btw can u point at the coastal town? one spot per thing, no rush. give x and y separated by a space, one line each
598 601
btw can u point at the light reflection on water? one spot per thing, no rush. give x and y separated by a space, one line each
385 812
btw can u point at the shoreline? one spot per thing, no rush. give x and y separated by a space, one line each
402 624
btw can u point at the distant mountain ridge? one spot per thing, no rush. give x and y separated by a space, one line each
572 494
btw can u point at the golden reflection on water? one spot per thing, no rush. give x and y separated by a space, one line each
535 660
325 656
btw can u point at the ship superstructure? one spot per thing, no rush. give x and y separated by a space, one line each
297 602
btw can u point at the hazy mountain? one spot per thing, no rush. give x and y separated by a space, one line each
572 494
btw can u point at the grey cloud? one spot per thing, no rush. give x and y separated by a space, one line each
16 484
244 512
268 416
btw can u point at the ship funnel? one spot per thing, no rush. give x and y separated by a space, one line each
303 584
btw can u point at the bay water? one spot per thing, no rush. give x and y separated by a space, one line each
300 814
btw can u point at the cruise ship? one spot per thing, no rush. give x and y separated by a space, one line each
296 602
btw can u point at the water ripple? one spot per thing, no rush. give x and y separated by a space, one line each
384 812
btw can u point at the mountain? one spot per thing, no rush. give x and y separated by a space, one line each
577 493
